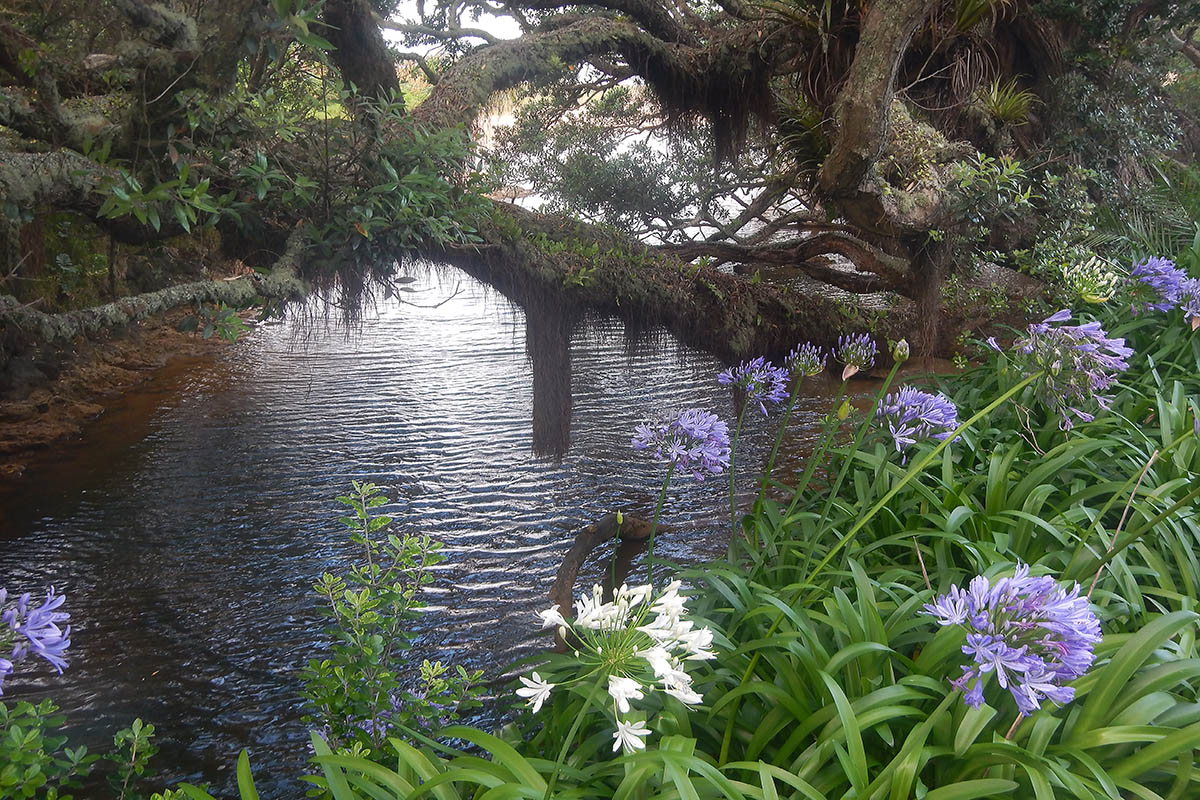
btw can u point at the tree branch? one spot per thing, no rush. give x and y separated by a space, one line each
281 283
882 271
655 18
434 33
724 314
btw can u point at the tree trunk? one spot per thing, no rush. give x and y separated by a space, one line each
361 54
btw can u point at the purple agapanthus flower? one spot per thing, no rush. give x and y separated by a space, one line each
1078 364
762 381
1157 284
1189 298
806 360
692 440
1033 634
857 351
34 630
911 416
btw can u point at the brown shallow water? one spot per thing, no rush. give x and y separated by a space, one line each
188 526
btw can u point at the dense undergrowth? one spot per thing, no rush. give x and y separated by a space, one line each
807 664
829 680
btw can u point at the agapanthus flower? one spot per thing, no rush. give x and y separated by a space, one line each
1031 633
630 736
857 352
1078 364
692 440
911 415
637 644
806 360
1189 301
535 690
762 381
33 629
1157 284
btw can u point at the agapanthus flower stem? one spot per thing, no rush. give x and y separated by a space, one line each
817 456
566 745
737 432
662 495
787 414
859 435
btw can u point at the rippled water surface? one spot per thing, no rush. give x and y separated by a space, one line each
189 526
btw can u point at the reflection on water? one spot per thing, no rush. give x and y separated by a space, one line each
187 531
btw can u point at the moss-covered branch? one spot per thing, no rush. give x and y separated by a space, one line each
281 283
537 259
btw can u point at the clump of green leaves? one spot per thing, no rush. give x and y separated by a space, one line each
221 321
134 749
365 688
1007 102
34 761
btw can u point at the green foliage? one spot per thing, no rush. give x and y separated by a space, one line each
186 200
991 187
970 13
363 690
221 320
34 761
1007 102
830 682
134 749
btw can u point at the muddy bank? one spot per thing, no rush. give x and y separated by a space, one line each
38 411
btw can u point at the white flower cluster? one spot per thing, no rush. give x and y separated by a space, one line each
640 642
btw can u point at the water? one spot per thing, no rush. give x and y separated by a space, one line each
188 528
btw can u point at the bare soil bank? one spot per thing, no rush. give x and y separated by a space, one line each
95 371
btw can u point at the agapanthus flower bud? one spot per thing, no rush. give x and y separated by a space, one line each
1089 279
1157 284
762 381
1033 634
806 360
857 352
901 351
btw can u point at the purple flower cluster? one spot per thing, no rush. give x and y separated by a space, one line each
33 630
912 416
1034 635
692 440
857 351
806 360
1189 298
1079 362
1158 284
762 381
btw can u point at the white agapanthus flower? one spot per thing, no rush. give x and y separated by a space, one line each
622 690
535 690
629 736
639 642
552 617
